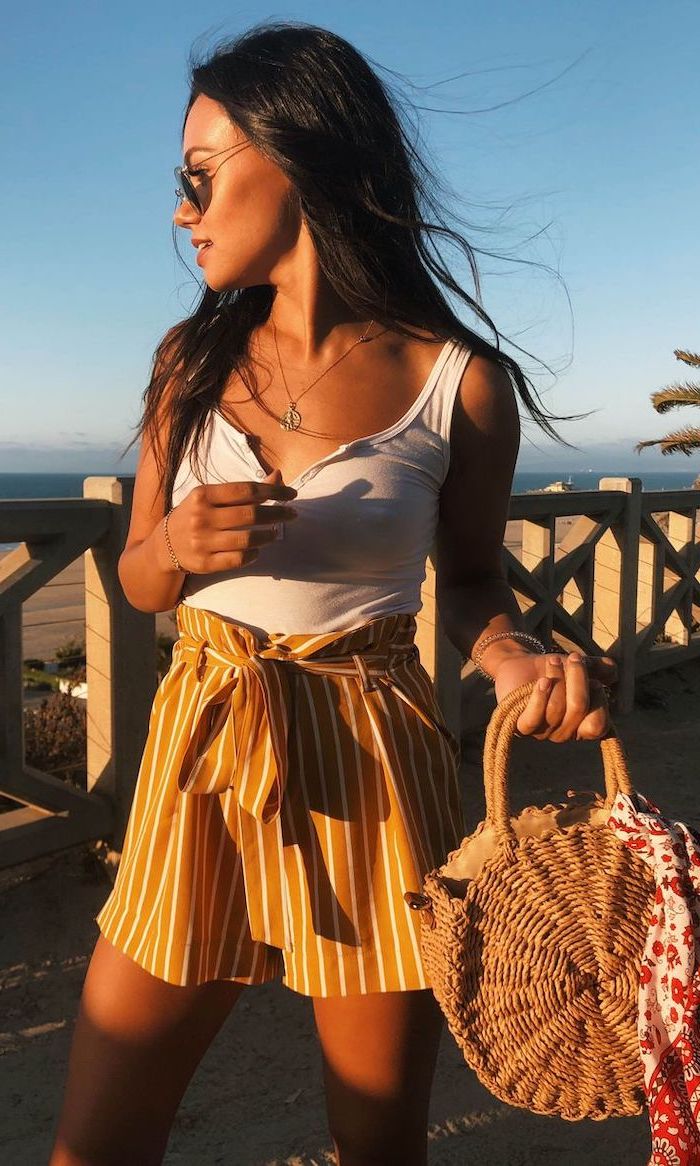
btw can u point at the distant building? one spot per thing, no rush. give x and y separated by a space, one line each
555 487
558 487
77 690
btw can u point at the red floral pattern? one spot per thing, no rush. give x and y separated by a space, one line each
669 981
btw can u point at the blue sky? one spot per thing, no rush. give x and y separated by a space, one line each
603 158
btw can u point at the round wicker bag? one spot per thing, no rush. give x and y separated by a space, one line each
532 935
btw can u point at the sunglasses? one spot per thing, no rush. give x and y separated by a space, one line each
196 195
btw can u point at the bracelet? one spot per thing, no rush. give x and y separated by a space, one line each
173 556
515 635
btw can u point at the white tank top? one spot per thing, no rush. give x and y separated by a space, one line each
367 516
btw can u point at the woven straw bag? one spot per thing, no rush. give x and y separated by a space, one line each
532 935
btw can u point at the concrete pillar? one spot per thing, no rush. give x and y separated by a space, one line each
121 660
615 586
441 660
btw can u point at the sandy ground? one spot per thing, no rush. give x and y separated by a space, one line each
256 1098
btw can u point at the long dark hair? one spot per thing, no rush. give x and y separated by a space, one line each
312 104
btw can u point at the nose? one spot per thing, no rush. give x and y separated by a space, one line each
185 215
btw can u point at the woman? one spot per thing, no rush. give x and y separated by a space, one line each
298 776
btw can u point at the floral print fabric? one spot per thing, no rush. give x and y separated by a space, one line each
669 986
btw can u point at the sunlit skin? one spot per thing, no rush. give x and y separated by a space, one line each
138 1040
258 234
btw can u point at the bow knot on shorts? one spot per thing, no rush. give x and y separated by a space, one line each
318 771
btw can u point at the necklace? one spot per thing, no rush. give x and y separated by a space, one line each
291 418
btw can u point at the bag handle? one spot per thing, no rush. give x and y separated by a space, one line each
497 751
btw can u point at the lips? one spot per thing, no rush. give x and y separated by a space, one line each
203 247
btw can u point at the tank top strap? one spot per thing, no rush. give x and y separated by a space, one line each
439 406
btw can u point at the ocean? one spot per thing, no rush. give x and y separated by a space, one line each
69 485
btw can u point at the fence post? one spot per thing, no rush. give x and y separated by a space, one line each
11 701
681 535
120 647
626 534
441 660
537 545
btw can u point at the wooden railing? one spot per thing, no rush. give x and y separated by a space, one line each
120 666
623 580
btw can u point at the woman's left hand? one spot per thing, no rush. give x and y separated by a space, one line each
573 703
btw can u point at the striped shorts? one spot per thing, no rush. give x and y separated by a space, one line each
291 789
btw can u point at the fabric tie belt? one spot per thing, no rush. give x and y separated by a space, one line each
240 732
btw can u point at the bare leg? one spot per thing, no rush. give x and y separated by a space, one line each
379 1054
136 1044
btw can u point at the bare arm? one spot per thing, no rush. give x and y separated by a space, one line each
147 574
219 527
473 595
567 701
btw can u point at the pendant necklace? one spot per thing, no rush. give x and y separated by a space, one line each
291 418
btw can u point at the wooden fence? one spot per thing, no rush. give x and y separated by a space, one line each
624 579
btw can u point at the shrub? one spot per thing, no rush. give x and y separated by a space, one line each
70 655
55 737
77 675
35 665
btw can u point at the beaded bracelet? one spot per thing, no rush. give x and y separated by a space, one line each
173 556
515 635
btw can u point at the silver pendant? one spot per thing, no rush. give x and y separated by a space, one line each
291 419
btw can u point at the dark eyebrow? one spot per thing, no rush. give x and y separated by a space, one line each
215 154
192 150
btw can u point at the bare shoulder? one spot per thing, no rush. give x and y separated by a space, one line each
475 496
486 392
485 383
485 418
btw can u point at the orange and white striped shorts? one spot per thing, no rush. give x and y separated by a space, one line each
291 789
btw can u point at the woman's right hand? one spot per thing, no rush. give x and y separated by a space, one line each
222 526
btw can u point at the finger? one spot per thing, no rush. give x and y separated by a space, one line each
556 705
597 722
244 516
576 698
222 557
233 493
232 560
237 540
532 719
218 542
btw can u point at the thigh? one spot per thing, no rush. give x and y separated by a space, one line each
379 1054
136 1044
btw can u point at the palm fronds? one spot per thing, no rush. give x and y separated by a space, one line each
673 395
688 357
685 441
